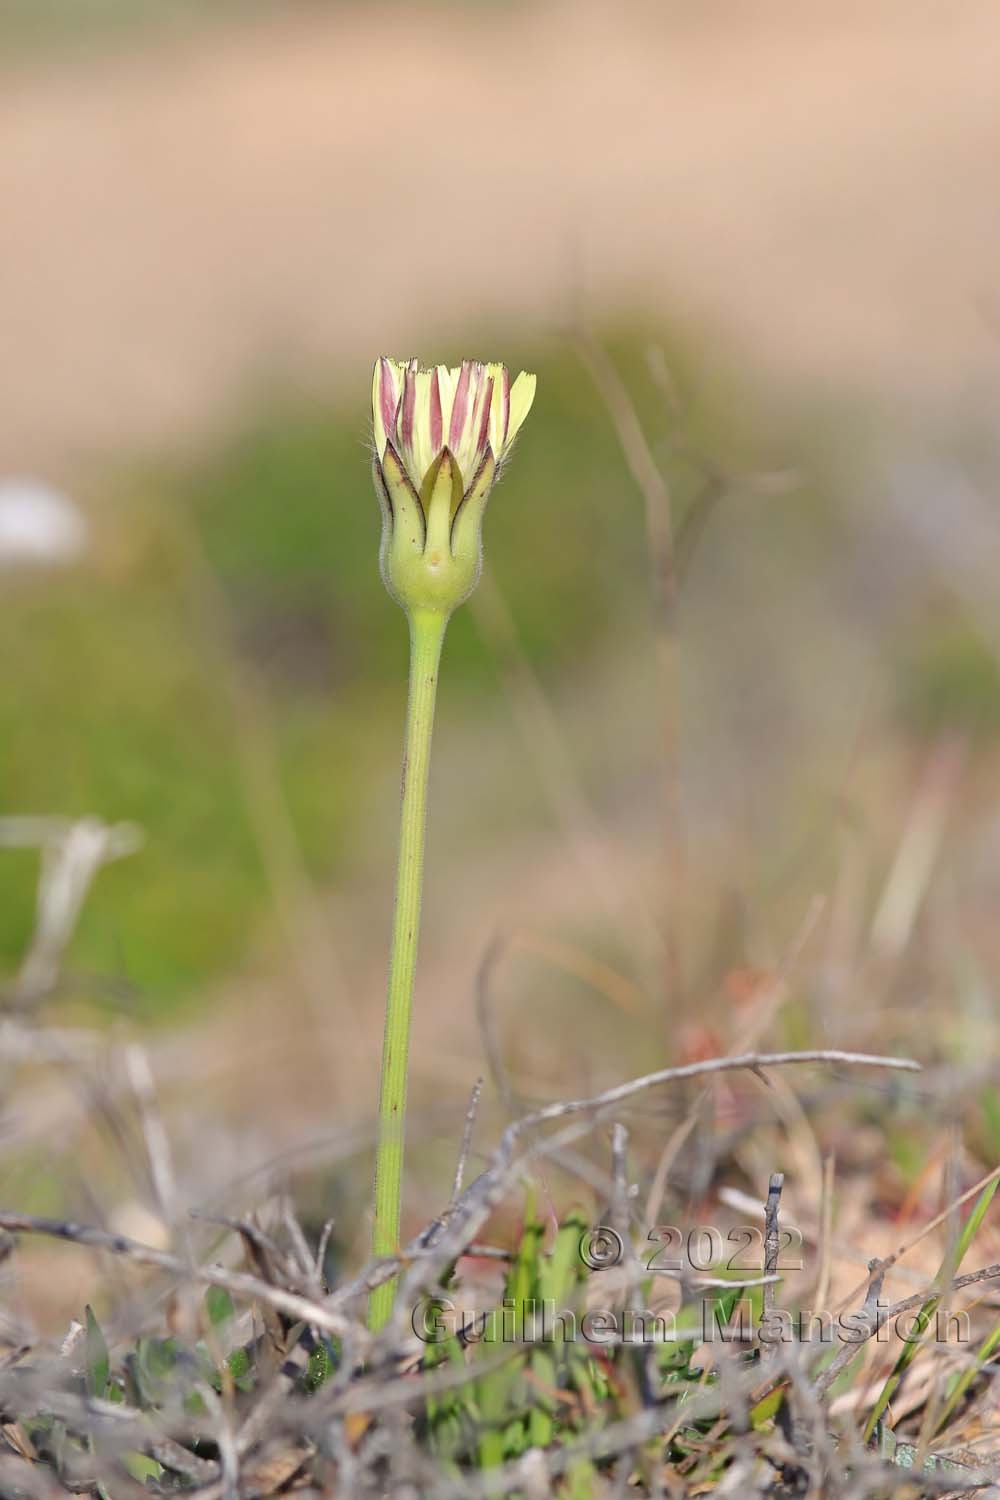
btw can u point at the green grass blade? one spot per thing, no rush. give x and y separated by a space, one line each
559 1278
965 1378
500 1395
948 1268
98 1366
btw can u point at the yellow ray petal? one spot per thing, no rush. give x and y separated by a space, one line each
522 394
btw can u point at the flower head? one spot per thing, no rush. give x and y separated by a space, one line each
440 437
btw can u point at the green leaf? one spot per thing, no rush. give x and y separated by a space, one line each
141 1466
766 1409
581 1479
218 1306
98 1364
990 1104
451 1413
241 1369
153 1371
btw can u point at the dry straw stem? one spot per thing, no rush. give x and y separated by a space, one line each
391 1384
72 854
653 486
755 1062
27 1044
238 1283
447 1237
120 1425
466 1146
449 1234
769 1000
671 545
907 1245
772 1247
20 1477
878 1317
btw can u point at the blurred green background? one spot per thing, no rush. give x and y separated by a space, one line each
261 556
244 582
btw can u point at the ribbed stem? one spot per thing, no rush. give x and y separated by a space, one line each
426 636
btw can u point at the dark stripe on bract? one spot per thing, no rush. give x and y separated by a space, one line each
382 489
505 428
393 462
484 425
409 402
488 457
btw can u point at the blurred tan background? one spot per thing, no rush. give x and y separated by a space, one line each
813 185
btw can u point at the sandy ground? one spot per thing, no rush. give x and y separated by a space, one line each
814 184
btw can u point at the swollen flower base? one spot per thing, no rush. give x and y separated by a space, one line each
441 436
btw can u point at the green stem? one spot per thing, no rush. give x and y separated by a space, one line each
426 636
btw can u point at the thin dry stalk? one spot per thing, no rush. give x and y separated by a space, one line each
772 1246
664 582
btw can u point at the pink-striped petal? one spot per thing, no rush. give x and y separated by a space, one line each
504 407
408 405
388 395
460 405
499 407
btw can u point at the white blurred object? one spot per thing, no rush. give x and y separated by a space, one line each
72 855
38 525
